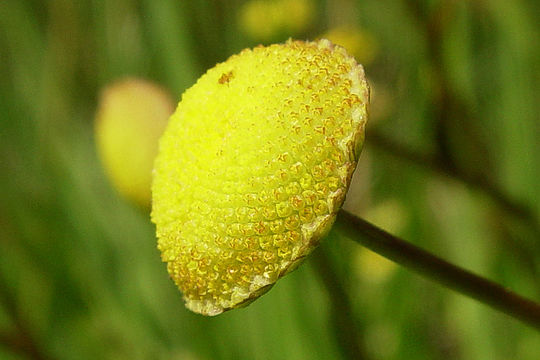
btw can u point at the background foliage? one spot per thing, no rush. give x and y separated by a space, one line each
451 163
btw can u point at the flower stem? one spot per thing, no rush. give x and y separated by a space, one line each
437 269
481 183
21 339
347 329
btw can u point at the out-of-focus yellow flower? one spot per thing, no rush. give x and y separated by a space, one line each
268 19
358 42
391 216
299 14
372 267
254 166
131 117
382 103
257 19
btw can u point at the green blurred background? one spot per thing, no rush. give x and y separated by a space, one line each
450 163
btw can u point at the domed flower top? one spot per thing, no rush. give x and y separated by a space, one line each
253 167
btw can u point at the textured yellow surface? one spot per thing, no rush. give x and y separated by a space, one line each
131 118
253 167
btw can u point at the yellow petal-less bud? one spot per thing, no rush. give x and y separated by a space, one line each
254 166
131 117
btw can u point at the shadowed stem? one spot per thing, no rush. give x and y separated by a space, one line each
478 182
347 329
441 271
20 340
452 108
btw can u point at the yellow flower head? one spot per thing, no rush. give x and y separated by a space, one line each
131 117
253 167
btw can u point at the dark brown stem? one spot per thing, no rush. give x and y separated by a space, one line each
438 270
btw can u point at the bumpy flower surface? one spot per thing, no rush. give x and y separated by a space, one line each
253 167
131 118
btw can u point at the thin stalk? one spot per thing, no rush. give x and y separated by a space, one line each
450 108
347 330
21 339
19 342
478 182
437 269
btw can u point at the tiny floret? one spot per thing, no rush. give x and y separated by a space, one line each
253 168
